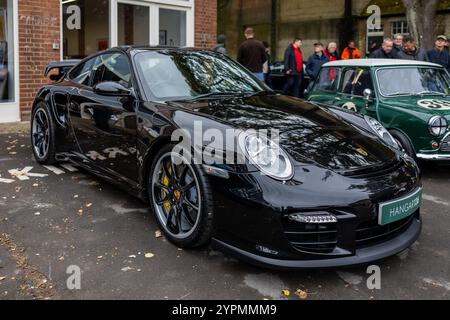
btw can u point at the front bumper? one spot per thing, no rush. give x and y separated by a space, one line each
433 157
362 256
258 229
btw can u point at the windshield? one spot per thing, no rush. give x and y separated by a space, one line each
413 81
186 75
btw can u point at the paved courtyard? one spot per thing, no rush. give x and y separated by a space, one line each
57 217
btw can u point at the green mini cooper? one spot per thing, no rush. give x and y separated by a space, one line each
410 98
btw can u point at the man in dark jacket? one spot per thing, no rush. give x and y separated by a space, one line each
439 55
252 54
316 61
386 51
221 44
411 52
293 67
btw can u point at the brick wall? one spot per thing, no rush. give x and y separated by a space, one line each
205 23
39 28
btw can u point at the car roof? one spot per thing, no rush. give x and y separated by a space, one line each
379 63
153 48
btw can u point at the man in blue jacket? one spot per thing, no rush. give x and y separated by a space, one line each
316 61
439 55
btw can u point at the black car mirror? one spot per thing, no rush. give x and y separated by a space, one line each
112 89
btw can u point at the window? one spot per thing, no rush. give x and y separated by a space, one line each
400 27
7 84
133 24
356 81
82 73
85 27
112 67
413 81
328 79
175 75
172 28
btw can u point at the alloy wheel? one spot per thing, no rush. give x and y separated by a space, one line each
176 195
41 134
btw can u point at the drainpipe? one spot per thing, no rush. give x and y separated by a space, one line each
273 28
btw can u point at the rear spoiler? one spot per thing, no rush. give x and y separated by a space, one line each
62 66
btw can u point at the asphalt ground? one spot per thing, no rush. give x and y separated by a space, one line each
55 222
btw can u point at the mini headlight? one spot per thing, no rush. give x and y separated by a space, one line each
267 156
438 126
382 132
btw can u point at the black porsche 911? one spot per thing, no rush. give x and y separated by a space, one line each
333 189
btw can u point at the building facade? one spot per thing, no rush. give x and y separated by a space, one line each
278 21
35 32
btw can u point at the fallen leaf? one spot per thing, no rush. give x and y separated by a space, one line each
89 205
2 278
301 294
126 269
36 185
158 234
61 258
37 213
132 256
149 255
286 293
75 196
18 189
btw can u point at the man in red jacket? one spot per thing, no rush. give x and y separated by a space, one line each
293 66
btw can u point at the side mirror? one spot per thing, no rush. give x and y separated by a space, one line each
111 89
368 95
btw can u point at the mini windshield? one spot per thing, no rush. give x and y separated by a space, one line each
413 81
175 75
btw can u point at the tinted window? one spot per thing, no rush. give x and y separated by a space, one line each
175 75
328 79
356 81
82 73
112 67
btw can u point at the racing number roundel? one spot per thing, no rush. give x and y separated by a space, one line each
434 104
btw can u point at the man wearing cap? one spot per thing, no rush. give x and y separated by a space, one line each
439 55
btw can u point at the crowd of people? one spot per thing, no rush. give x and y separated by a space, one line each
255 56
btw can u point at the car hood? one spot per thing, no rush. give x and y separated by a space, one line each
422 106
309 133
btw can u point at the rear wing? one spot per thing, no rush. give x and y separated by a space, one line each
62 66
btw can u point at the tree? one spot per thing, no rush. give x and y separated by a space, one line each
421 15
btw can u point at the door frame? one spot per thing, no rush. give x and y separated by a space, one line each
10 111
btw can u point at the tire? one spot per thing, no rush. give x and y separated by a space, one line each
190 211
43 135
404 143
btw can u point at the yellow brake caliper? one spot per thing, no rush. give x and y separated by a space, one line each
166 183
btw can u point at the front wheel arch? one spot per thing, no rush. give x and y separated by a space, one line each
405 141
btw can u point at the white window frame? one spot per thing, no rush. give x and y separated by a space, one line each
10 111
403 22
154 6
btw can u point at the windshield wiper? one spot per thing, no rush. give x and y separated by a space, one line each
431 93
398 94
262 93
214 95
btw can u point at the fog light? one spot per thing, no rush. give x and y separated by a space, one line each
435 145
313 218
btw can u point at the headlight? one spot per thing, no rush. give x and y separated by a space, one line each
382 132
267 156
438 126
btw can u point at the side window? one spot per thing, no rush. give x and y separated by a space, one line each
82 73
356 81
328 79
112 67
